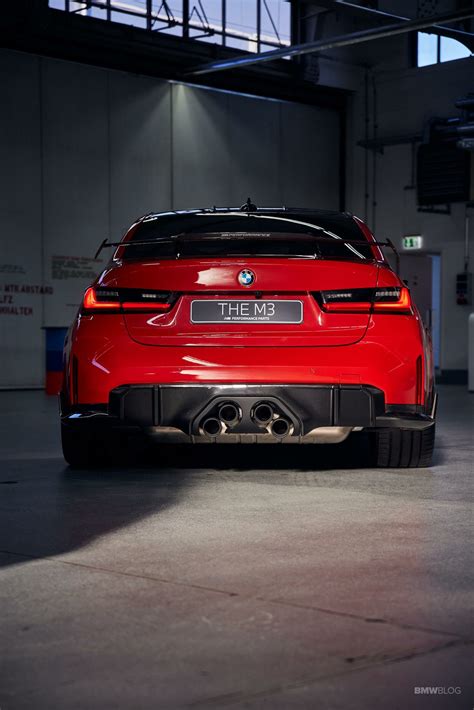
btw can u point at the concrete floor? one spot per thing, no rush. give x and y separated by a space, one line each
257 578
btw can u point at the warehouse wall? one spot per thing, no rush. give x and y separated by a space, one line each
83 151
405 101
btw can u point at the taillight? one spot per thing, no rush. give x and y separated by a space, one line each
101 300
390 299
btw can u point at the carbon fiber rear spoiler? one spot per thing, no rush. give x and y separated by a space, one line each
186 237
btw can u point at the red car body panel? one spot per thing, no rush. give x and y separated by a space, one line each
108 358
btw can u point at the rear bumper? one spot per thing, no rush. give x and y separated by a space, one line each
106 357
184 408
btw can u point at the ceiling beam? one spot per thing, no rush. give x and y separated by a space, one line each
351 8
367 35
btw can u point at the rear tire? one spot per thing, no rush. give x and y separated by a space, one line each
85 449
404 448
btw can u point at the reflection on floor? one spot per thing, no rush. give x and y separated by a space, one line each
259 578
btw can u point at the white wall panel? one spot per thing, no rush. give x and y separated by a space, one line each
21 337
76 180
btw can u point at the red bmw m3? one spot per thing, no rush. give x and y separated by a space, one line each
248 325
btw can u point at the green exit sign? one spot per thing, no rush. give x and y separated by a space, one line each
414 241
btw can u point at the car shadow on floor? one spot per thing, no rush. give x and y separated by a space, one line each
49 509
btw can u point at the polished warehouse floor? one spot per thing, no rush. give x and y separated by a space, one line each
267 577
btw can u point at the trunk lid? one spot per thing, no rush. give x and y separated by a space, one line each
276 281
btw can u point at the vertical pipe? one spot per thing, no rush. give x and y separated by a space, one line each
295 30
186 18
259 22
148 14
108 10
224 21
295 23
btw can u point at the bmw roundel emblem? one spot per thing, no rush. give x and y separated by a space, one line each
246 277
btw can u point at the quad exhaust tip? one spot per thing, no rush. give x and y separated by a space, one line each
230 414
263 413
280 427
211 426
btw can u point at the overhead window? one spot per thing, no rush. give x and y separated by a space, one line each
261 24
251 25
433 49
452 49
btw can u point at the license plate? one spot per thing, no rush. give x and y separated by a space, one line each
236 311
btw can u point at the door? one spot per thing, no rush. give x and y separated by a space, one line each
422 274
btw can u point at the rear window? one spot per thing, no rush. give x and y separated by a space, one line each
220 234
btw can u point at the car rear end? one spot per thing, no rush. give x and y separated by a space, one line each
270 326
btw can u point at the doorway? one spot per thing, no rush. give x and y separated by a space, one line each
422 274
